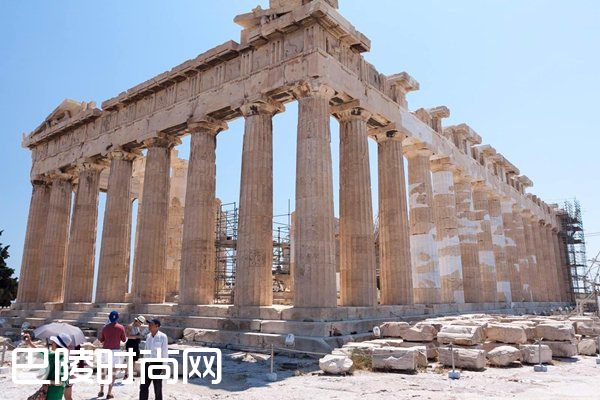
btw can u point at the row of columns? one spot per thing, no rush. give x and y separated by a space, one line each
454 241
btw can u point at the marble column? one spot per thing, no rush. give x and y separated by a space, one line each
54 249
197 274
81 258
424 255
151 257
394 235
512 253
357 243
522 257
499 245
530 243
32 261
314 248
542 263
113 267
552 269
468 227
487 260
566 273
446 222
253 273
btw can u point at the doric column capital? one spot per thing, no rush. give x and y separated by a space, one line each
442 163
416 150
122 154
163 140
91 165
313 89
40 180
350 111
206 125
264 107
60 175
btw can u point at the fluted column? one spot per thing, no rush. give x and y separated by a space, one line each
534 280
113 267
394 235
499 245
253 274
197 275
446 222
424 255
542 263
522 257
468 227
54 253
314 248
32 261
552 270
357 244
510 248
81 258
151 256
487 260
566 274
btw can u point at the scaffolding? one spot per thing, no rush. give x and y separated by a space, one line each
573 239
226 248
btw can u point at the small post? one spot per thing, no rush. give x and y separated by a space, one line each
598 348
540 367
272 376
453 374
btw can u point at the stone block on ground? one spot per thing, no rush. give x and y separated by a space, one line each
460 334
360 348
503 356
430 348
585 328
505 333
561 349
189 334
555 332
473 359
395 359
530 354
587 347
420 333
393 329
335 364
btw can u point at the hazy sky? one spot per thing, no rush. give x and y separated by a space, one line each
524 74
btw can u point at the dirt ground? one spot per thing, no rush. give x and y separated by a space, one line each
300 378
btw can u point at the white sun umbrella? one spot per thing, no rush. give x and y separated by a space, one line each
56 328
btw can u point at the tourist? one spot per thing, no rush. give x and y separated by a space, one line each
134 332
111 337
157 343
54 391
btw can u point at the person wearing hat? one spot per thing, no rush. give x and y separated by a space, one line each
134 337
111 337
156 342
63 341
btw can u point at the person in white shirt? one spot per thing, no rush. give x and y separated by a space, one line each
156 342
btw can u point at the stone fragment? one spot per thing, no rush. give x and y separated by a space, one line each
587 347
420 333
561 349
359 348
394 358
503 356
393 329
189 334
530 354
555 332
430 347
587 328
473 359
460 334
505 333
335 364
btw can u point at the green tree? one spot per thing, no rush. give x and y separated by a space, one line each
8 284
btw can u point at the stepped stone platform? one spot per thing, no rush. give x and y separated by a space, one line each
227 326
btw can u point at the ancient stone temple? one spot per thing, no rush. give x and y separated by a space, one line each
459 233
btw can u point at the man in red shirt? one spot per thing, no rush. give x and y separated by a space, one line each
111 337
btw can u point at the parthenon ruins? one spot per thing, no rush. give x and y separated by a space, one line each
460 233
